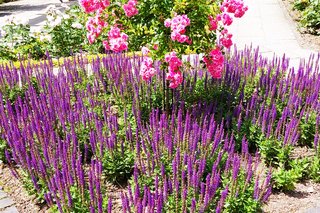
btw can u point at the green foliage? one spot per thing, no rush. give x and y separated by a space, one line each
252 133
308 130
314 169
240 197
301 4
19 42
66 32
3 146
243 202
80 201
28 184
6 54
5 1
274 152
221 96
118 165
11 93
284 179
310 14
301 167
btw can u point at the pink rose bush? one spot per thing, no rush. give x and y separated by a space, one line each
226 38
130 8
117 40
167 36
178 26
214 62
174 75
236 7
147 70
90 6
95 25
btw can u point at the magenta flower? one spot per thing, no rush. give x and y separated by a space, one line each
94 5
227 19
178 26
214 63
130 8
226 39
175 79
117 40
213 23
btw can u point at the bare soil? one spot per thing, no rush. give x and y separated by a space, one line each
304 197
305 39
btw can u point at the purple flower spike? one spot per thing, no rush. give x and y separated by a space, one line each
110 205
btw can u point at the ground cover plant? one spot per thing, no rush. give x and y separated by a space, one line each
310 15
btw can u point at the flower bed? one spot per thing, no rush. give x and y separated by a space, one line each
208 145
218 133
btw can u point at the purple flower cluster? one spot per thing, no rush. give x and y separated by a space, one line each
189 163
60 127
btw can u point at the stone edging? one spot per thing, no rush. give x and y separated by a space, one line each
6 203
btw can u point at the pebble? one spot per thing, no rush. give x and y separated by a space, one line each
310 189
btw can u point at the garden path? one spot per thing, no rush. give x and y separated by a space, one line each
268 25
6 203
32 10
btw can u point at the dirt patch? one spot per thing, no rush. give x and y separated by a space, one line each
302 152
304 197
305 39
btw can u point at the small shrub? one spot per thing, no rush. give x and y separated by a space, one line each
310 15
302 167
274 152
19 42
66 32
284 180
301 4
308 130
314 169
251 132
117 165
